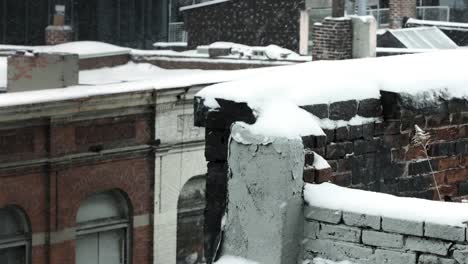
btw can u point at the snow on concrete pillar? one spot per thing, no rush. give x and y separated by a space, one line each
399 9
264 219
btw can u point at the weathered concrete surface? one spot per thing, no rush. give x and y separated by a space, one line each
381 239
444 232
402 226
436 247
361 220
323 214
340 232
364 36
264 220
42 71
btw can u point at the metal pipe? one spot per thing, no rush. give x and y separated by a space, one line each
362 7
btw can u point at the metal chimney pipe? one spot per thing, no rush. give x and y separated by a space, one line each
362 7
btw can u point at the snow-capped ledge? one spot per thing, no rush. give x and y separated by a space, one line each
330 196
276 94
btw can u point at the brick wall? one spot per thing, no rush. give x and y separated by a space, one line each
49 167
254 23
379 156
376 156
102 62
400 9
217 124
332 39
342 235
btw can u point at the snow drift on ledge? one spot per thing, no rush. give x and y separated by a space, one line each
331 196
238 260
427 76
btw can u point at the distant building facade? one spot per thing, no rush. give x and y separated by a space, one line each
133 23
76 186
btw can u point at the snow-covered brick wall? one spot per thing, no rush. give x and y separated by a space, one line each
368 227
366 123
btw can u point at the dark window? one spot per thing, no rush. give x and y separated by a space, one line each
14 236
103 226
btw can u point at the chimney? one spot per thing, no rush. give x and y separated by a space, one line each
27 72
399 9
58 32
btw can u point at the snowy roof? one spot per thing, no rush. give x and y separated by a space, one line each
331 196
203 4
423 38
122 79
85 49
170 44
401 50
442 24
3 73
425 75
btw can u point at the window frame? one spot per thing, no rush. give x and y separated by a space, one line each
102 225
21 240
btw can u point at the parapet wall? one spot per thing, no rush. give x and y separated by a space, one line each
362 238
376 155
380 156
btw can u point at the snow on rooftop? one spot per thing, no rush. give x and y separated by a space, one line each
100 82
170 44
85 49
227 259
302 124
326 261
424 75
423 38
133 72
438 23
331 196
3 72
203 4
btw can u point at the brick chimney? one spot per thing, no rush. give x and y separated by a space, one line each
58 32
400 9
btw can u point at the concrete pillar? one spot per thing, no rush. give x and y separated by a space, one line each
400 9
364 36
264 220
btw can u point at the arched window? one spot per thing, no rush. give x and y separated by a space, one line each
190 221
103 229
14 236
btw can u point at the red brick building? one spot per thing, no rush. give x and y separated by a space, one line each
77 181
